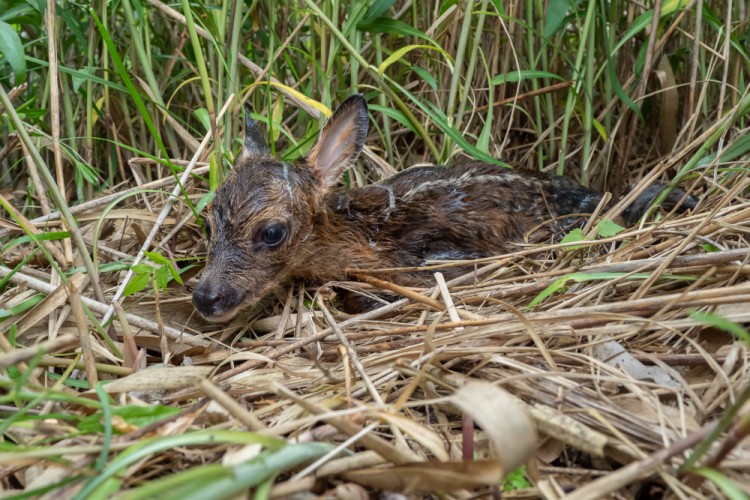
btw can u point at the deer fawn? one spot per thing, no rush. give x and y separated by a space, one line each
273 221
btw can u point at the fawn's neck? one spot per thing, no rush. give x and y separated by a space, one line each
339 243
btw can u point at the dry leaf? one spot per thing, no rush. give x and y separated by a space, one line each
669 107
240 455
503 420
159 378
421 434
613 354
568 430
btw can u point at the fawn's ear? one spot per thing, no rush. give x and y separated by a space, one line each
255 144
341 140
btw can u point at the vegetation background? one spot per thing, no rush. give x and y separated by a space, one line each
114 100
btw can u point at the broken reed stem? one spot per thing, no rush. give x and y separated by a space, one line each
18 356
401 290
11 142
286 312
447 299
334 452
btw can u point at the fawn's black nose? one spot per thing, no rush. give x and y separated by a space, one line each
213 299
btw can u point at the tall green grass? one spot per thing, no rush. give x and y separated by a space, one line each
435 71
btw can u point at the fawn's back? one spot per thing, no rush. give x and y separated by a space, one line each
272 221
460 212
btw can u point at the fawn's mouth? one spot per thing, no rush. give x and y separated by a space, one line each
220 317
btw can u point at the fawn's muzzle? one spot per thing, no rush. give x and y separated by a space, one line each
214 300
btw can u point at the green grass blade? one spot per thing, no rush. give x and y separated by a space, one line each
217 481
729 487
12 50
155 445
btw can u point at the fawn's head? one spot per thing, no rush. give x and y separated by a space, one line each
264 211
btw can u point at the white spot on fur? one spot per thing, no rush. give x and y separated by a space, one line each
465 179
287 181
391 198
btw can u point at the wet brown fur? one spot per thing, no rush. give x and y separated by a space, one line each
423 213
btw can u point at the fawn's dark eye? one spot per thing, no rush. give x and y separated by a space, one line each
273 235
